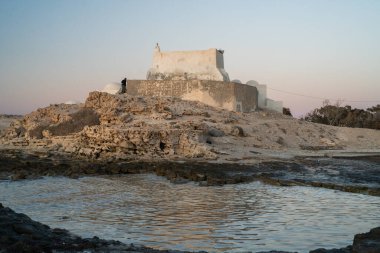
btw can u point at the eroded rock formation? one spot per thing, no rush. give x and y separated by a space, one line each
148 128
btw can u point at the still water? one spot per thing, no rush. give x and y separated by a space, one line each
149 210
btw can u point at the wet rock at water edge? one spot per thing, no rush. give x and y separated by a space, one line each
348 249
275 251
367 242
19 233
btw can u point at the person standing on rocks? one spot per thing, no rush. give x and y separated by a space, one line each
123 86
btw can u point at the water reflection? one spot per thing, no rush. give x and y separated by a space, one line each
149 210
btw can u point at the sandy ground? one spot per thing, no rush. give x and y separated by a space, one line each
270 135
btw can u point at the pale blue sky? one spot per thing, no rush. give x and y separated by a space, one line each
52 51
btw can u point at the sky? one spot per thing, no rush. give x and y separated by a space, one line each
52 51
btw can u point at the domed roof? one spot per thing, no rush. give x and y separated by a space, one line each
236 81
252 83
112 88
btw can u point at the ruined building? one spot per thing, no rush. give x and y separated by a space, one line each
199 76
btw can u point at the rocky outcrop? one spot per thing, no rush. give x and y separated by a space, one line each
115 127
110 130
363 243
367 242
18 164
124 127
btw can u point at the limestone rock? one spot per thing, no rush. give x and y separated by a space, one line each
215 132
122 126
237 131
367 242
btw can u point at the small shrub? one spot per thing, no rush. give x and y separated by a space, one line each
346 116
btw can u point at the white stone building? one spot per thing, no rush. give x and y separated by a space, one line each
263 101
188 65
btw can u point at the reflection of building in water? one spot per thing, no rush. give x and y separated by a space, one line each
196 215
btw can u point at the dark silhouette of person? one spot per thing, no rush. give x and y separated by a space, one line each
123 86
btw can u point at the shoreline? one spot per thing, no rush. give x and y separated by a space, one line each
349 174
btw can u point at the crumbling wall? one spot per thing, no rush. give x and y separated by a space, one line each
227 95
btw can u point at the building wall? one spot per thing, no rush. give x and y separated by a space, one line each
274 105
227 95
188 65
263 101
262 89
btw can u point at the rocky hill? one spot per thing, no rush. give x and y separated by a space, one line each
113 127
